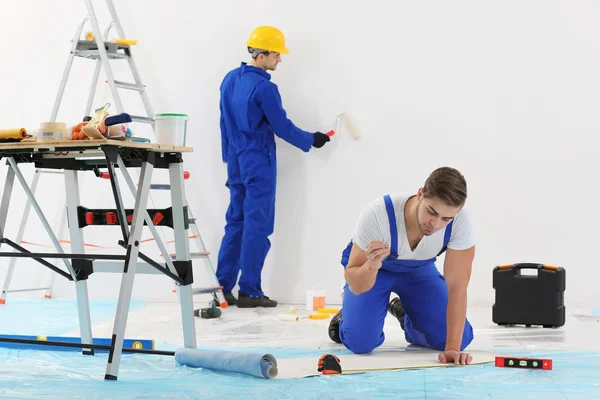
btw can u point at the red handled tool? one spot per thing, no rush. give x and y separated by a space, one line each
330 133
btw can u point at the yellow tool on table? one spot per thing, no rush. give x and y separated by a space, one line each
13 133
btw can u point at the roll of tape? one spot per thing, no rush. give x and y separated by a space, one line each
53 126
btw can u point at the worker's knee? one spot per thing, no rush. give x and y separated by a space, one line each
436 338
468 336
358 347
361 343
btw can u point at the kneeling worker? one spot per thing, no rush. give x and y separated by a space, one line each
394 249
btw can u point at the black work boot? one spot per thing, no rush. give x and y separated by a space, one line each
334 327
395 308
231 300
245 301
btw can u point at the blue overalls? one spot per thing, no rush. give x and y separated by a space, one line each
423 293
251 114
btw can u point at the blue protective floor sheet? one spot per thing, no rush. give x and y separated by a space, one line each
31 374
52 317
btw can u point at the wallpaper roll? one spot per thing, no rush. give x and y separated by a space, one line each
255 364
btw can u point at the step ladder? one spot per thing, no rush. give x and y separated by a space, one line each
11 266
99 48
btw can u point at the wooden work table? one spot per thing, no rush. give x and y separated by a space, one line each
74 156
91 144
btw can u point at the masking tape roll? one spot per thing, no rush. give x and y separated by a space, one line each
52 131
15 133
53 126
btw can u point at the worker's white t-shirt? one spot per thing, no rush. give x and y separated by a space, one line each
373 224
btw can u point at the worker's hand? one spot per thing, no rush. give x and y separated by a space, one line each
376 251
319 139
227 183
453 356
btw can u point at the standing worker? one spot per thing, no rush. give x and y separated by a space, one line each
251 114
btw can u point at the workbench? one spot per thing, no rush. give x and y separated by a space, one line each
73 156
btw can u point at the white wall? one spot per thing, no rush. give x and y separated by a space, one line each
506 91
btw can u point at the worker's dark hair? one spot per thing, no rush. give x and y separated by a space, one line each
448 185
256 52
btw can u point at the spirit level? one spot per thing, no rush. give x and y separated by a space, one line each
532 363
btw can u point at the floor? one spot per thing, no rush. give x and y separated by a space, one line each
574 348
255 327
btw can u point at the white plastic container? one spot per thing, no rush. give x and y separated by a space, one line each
51 131
171 129
316 298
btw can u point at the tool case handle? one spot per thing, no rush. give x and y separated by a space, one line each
516 268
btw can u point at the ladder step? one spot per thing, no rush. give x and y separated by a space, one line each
89 49
95 55
166 186
146 120
193 255
27 290
130 86
160 186
207 290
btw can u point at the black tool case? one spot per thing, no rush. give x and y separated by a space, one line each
529 294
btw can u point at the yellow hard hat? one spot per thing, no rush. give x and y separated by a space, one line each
268 38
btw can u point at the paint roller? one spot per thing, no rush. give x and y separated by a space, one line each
14 133
287 317
255 364
347 122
